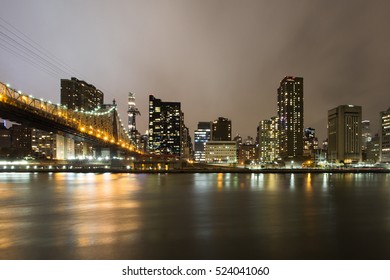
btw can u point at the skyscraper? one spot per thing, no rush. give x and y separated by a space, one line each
345 134
186 151
373 149
222 130
290 114
132 112
366 138
165 127
366 133
202 135
267 137
385 136
79 95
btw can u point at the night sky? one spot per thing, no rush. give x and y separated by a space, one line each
218 58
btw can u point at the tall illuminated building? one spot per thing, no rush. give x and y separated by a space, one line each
290 115
132 112
187 151
366 138
345 134
79 95
76 95
202 136
373 149
222 129
165 127
268 140
366 133
385 136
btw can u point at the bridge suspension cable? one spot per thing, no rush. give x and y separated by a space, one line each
19 44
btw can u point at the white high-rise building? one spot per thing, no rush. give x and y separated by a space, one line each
201 136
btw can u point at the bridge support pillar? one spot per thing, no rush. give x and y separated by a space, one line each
105 152
97 152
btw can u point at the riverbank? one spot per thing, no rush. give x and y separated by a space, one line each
195 170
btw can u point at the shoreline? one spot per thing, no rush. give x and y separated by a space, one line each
192 171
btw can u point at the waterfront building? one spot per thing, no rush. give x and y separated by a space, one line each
290 116
238 140
43 144
222 129
186 143
366 138
79 95
224 152
132 112
5 140
76 95
165 127
144 146
48 145
373 149
268 140
310 143
344 134
21 140
366 133
5 136
248 153
201 136
385 136
83 149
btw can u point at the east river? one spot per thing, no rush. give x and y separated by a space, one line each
194 216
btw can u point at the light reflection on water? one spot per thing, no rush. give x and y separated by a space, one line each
201 216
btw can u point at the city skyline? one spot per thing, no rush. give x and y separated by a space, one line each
226 58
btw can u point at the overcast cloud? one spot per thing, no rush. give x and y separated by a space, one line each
219 58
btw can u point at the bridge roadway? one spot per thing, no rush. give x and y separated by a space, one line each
101 127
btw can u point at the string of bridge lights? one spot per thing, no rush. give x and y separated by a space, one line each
95 112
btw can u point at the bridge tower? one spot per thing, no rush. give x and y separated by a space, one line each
114 152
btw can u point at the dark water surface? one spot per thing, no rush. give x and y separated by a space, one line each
194 216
